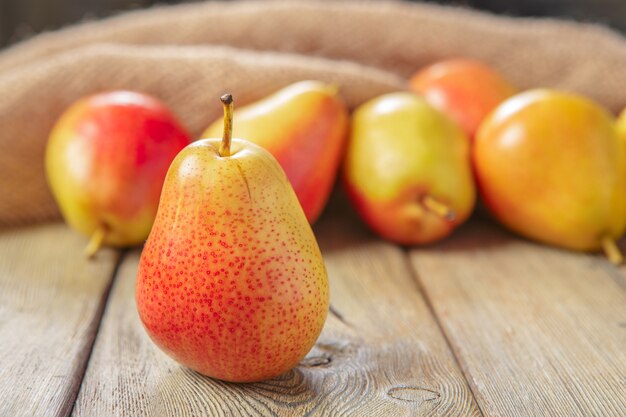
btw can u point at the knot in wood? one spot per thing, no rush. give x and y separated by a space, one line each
314 361
413 394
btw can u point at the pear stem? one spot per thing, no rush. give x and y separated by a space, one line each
95 242
227 100
611 250
437 207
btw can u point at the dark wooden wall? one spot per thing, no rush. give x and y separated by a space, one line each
20 19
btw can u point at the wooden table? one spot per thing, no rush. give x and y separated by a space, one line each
482 324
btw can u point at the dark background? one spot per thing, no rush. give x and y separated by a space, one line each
20 19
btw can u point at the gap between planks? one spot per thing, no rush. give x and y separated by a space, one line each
429 305
97 321
536 330
51 303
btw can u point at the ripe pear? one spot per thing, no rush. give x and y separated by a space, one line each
550 167
466 90
231 281
407 169
106 160
304 126
621 125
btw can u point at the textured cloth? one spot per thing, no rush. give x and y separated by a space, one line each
188 55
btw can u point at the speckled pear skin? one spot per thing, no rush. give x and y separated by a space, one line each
231 281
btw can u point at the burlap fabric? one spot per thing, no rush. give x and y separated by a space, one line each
188 55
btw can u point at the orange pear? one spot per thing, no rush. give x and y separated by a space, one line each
550 167
466 90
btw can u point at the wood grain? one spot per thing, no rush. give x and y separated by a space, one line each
51 302
381 352
538 331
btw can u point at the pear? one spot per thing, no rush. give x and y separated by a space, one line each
550 166
231 281
407 169
621 125
466 90
304 126
106 160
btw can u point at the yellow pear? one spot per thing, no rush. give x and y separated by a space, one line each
407 169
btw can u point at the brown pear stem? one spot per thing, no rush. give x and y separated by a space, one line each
95 242
227 99
611 250
437 207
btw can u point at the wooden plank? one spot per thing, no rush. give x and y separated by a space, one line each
381 352
51 302
538 331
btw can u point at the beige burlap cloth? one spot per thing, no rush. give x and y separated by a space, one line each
188 55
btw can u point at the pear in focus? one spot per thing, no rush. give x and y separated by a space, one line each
407 169
550 166
304 126
231 281
106 160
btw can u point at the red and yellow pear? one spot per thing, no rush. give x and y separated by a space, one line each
407 169
304 126
466 90
106 160
231 281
